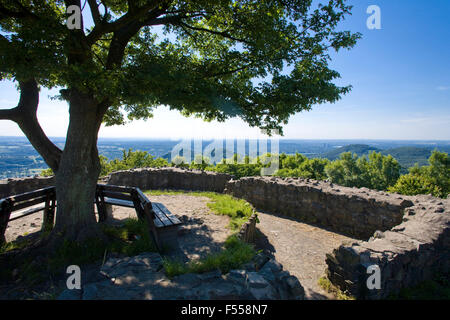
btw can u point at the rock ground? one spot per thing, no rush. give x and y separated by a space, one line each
299 247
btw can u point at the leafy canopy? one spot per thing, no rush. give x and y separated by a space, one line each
210 59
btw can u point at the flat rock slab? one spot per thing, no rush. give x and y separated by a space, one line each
142 278
300 248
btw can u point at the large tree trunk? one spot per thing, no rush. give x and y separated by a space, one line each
78 172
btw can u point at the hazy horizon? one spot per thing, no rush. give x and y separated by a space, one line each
224 138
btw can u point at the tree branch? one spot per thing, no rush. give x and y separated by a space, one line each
130 18
219 33
94 11
8 114
25 116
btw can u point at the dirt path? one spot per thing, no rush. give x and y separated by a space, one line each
300 248
24 226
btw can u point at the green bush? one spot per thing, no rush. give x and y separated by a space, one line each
432 179
302 167
375 172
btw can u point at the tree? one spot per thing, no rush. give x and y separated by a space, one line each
300 166
219 59
432 179
346 171
375 172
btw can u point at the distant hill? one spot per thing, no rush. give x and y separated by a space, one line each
409 156
359 149
406 156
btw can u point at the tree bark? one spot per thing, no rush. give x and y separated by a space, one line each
78 172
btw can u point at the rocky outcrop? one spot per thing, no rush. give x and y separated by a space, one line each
170 178
351 211
142 277
406 255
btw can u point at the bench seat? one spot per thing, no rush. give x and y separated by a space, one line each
163 217
119 202
27 212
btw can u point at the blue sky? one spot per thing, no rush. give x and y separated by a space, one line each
400 78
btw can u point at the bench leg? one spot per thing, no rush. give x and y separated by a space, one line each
107 212
104 210
4 219
147 215
49 216
169 236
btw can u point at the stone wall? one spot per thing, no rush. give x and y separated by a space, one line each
247 233
14 186
406 255
170 178
145 178
354 212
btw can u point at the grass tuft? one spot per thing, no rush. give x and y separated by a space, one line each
235 254
326 284
238 210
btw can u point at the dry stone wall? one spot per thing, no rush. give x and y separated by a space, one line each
409 236
247 233
354 212
409 253
14 186
170 178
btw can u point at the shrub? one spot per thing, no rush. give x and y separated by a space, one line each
432 179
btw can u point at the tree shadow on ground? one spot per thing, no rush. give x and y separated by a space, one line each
316 225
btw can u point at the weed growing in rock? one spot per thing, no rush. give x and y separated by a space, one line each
326 284
235 254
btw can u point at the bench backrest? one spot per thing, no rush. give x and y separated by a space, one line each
26 200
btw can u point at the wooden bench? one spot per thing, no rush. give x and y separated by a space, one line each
162 223
25 204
